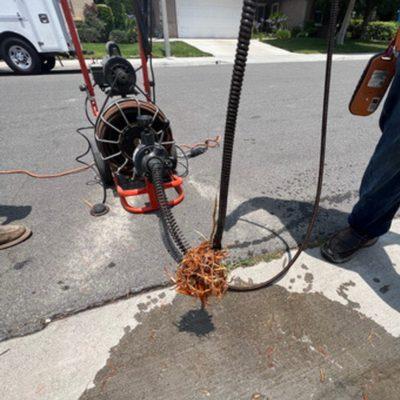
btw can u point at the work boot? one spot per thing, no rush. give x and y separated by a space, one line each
343 245
10 235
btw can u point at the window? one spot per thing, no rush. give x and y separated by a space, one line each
275 8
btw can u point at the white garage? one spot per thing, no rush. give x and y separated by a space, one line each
208 18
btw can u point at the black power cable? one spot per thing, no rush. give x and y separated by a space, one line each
156 168
248 14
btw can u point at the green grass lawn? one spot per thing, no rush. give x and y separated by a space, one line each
178 49
317 45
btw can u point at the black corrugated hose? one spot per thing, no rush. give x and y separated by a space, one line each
245 31
248 14
157 173
156 167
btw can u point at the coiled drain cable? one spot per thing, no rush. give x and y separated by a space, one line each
246 26
248 15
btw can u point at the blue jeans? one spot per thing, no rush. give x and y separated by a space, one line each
380 188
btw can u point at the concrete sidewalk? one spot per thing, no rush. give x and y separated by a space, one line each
223 51
325 332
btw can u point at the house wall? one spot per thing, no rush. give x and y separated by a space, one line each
77 8
296 11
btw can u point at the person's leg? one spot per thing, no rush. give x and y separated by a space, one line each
380 188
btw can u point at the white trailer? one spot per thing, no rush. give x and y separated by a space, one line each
32 34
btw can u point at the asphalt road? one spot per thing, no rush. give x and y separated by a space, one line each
74 261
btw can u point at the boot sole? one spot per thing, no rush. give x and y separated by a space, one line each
21 239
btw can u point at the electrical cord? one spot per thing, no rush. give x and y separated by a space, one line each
87 111
58 174
45 176
86 166
153 82
197 149
249 8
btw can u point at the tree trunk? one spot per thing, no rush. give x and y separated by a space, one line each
345 24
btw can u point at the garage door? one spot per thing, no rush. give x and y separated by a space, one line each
208 18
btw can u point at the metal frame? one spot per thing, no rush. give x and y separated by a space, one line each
124 193
79 54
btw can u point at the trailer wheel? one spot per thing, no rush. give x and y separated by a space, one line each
48 63
20 56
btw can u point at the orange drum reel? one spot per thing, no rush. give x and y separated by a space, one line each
118 137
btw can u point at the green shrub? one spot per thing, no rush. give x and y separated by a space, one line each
132 35
106 15
89 34
309 29
296 31
380 30
119 36
355 28
118 10
93 23
79 24
131 29
283 34
277 22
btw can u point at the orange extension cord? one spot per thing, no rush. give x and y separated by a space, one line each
208 143
46 176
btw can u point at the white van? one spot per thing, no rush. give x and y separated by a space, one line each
32 33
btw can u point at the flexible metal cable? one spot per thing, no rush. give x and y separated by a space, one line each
245 31
248 15
167 217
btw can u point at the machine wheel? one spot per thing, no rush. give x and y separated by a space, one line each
48 63
104 170
20 56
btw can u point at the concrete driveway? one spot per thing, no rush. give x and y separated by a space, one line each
324 332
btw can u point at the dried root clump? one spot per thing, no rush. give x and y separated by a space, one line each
201 273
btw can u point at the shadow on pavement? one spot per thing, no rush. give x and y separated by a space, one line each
14 213
199 322
294 216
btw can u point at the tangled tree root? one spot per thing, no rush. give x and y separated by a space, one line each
201 273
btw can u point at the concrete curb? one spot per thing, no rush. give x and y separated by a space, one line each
73 65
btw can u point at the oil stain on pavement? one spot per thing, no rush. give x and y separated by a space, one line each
270 344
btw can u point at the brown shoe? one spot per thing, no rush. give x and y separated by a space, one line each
11 235
343 245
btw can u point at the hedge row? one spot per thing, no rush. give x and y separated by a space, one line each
376 30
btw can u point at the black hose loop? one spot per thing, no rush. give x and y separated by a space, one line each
248 14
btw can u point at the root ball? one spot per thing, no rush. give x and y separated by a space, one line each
202 274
